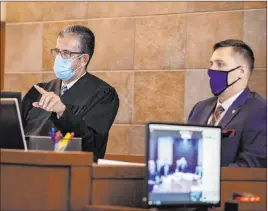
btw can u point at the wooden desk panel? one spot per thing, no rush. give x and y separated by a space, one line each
251 180
50 158
117 185
244 174
80 187
34 188
39 180
111 208
124 185
257 188
109 192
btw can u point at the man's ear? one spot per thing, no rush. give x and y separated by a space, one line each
85 58
245 71
242 70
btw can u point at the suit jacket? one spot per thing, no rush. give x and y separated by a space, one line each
244 137
187 169
170 170
91 107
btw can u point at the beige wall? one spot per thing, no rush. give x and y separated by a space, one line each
154 53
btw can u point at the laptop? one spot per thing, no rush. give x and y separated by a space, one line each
183 166
11 130
13 136
8 94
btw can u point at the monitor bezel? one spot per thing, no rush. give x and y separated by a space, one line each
147 150
15 100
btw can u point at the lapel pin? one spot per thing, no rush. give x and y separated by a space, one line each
233 111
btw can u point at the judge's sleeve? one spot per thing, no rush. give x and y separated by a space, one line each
97 119
26 105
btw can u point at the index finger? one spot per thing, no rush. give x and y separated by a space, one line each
40 89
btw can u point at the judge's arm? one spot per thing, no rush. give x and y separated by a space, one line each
26 105
97 119
254 142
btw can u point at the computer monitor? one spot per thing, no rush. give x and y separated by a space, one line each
11 130
8 94
183 165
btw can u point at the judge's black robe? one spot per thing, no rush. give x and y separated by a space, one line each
91 107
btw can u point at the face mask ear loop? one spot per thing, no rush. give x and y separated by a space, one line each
80 66
228 75
77 57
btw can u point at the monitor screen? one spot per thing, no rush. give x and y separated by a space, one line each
11 130
183 165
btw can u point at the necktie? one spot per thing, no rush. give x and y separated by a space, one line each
216 115
63 89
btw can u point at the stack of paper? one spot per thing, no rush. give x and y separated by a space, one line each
115 162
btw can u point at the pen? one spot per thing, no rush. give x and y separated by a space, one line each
57 136
64 142
52 135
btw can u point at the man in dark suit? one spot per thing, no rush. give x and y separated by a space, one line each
242 114
76 101
166 169
183 166
153 176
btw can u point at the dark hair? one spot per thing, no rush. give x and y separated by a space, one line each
239 47
86 38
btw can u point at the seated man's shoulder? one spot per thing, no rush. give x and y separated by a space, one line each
256 103
258 100
205 102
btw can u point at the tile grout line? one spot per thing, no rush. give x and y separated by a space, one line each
135 16
133 98
186 65
125 71
133 74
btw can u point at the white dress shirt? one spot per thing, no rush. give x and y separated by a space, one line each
69 85
226 105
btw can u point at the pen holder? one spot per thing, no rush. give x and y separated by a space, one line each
61 145
47 143
60 142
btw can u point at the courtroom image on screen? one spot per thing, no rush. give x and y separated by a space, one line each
175 166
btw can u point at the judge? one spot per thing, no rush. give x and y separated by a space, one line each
76 101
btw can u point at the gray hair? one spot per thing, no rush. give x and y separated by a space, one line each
86 38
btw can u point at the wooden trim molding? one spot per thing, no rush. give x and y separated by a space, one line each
2 53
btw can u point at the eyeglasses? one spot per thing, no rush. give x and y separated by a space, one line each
65 54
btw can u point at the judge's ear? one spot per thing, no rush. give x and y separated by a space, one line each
85 58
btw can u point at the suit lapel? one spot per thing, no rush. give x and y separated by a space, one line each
234 109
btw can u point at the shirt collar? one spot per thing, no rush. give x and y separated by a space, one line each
229 102
69 85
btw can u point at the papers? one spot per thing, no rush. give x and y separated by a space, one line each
115 162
